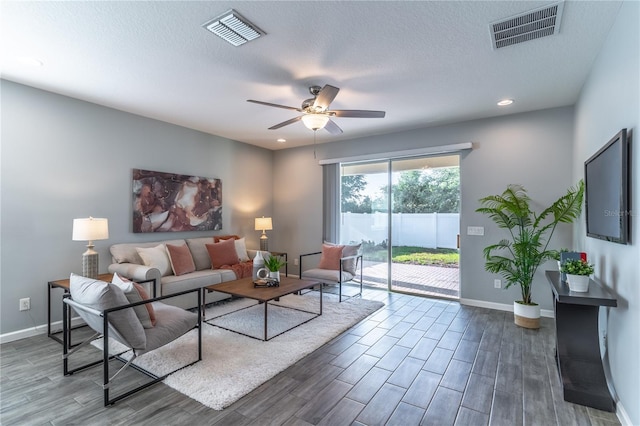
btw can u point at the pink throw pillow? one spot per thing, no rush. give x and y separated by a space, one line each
134 293
145 296
180 259
330 258
222 253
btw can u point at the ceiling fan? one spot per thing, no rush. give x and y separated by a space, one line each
316 113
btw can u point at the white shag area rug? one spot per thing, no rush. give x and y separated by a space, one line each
232 364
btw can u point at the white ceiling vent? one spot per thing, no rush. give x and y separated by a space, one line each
527 26
234 28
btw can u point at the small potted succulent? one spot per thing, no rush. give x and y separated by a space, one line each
578 272
273 264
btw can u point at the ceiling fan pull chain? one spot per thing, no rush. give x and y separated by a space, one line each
314 144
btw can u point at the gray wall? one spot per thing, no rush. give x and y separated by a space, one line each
63 159
609 102
533 149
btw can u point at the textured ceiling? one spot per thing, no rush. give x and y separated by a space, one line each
424 63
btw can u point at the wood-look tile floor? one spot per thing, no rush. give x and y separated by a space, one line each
417 361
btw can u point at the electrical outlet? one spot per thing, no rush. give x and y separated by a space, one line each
295 262
25 304
497 284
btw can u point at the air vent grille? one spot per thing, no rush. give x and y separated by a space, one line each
528 26
233 28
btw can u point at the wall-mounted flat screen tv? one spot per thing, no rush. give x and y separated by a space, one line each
606 191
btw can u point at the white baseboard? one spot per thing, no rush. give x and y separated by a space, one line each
34 331
622 415
547 313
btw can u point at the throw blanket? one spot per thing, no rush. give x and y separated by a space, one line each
242 270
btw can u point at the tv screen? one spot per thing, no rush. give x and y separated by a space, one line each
606 193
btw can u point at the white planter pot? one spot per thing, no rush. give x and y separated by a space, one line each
527 316
275 275
579 283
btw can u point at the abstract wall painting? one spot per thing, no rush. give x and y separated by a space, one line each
168 202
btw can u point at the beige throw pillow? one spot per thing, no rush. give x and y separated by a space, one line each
156 257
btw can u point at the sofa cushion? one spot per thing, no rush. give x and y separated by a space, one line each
134 293
101 295
156 257
180 259
172 323
330 258
199 252
198 279
222 253
328 276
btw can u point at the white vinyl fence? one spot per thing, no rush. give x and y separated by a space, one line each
429 230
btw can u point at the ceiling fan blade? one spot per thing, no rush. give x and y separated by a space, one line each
357 113
274 105
285 123
332 128
325 97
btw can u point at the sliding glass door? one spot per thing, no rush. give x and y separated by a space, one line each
405 212
364 216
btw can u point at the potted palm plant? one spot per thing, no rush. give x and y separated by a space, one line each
578 272
518 256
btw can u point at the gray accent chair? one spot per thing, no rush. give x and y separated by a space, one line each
348 272
106 310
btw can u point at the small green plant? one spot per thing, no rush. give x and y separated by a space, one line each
577 267
274 263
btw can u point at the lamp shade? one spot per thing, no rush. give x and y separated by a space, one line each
315 121
263 224
90 229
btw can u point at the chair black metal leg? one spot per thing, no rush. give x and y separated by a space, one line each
105 360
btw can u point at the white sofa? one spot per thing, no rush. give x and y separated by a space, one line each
127 262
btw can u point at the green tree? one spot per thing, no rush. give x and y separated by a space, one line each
353 200
429 191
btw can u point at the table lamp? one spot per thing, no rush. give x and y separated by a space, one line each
90 229
264 224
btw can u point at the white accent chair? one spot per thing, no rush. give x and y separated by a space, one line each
104 308
350 260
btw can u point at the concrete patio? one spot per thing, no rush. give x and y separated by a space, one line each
425 280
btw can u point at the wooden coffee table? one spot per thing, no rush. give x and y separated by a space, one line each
244 288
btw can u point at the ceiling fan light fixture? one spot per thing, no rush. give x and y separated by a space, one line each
315 121
233 28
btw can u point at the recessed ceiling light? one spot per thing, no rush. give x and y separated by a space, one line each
281 140
505 102
29 61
